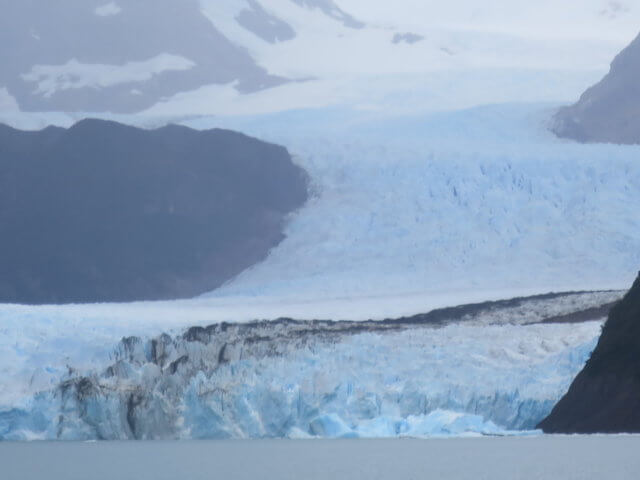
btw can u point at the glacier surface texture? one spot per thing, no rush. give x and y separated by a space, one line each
495 368
409 214
484 199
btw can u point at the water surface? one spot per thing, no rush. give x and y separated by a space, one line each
541 457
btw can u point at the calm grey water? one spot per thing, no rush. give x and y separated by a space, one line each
542 457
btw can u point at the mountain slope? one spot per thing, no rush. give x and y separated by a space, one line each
605 396
104 212
609 111
95 56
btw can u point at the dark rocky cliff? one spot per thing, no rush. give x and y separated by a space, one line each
605 396
107 212
608 112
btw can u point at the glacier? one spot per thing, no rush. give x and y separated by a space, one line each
494 368
439 204
446 202
410 213
306 54
433 188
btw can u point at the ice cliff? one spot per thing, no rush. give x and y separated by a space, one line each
491 368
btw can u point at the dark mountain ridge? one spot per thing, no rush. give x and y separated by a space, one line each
108 212
608 112
605 396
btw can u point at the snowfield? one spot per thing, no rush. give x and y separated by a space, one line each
322 53
468 54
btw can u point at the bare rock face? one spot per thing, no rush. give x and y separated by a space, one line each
608 112
107 212
605 396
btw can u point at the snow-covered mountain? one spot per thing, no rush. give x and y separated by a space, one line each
126 55
231 56
115 56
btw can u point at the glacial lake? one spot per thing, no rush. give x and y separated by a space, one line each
513 458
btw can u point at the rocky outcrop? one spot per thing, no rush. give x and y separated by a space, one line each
605 396
608 112
107 212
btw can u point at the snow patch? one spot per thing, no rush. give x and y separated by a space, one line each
51 79
108 10
7 102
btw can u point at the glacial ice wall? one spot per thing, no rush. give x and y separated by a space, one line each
411 377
